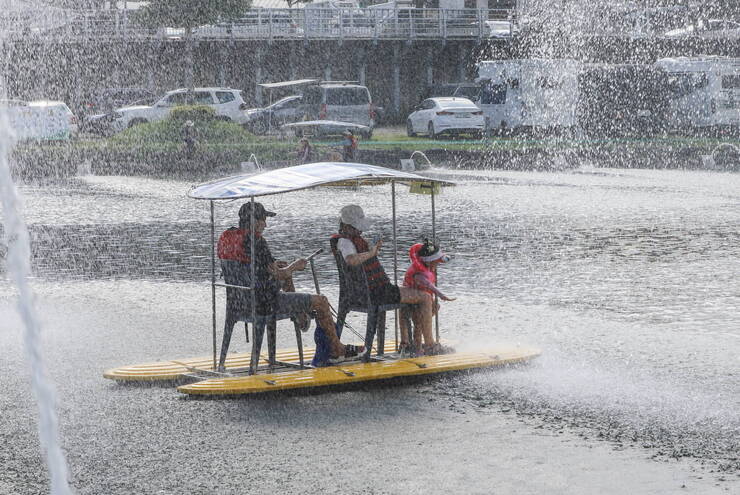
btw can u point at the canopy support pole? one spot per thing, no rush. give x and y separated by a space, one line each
395 255
254 361
213 283
434 240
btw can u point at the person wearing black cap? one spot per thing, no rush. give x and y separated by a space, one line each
268 271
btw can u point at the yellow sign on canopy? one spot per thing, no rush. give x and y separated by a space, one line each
425 188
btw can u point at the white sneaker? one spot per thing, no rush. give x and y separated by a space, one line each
336 360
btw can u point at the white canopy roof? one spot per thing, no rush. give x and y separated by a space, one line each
285 84
326 124
304 177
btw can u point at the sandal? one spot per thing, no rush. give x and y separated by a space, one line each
351 351
335 360
437 349
406 350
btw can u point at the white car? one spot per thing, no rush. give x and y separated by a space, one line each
226 102
40 120
435 116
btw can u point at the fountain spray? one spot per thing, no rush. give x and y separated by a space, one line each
19 270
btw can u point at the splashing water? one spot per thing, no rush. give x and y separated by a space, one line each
19 269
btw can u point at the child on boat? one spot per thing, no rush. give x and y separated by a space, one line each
422 275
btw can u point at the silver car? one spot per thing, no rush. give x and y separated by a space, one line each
339 101
286 110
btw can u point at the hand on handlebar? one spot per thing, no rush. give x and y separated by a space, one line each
376 248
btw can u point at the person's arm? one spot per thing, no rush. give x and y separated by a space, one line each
284 273
422 281
360 258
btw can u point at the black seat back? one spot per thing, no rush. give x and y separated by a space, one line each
353 288
237 300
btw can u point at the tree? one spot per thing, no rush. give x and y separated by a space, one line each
291 3
189 14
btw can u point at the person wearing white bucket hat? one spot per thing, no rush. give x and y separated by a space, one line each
356 251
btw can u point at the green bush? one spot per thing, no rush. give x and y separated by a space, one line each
170 131
196 113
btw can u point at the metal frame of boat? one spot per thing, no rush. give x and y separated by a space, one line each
321 174
284 369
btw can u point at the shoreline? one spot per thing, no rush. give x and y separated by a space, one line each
517 155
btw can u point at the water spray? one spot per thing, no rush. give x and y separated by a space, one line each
19 271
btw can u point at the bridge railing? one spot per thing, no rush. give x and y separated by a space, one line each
306 23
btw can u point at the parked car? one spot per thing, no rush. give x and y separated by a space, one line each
704 93
41 120
528 94
435 116
471 91
623 100
226 102
284 111
100 124
339 101
108 99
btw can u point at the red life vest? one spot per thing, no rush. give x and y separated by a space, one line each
376 277
418 268
231 245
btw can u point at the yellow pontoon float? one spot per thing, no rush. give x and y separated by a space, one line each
236 374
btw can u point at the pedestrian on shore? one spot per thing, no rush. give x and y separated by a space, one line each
349 146
305 150
189 138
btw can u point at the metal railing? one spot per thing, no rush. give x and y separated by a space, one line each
261 24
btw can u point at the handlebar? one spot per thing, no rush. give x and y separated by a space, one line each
314 254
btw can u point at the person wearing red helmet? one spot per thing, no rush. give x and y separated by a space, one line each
422 275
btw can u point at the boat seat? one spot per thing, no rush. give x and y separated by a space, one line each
354 295
239 308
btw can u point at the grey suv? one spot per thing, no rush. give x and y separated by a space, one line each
340 101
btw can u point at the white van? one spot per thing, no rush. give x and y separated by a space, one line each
42 120
529 93
705 92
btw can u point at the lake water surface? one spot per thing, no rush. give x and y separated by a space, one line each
628 280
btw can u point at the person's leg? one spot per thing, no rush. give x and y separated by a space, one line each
403 325
301 319
287 284
422 315
320 304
